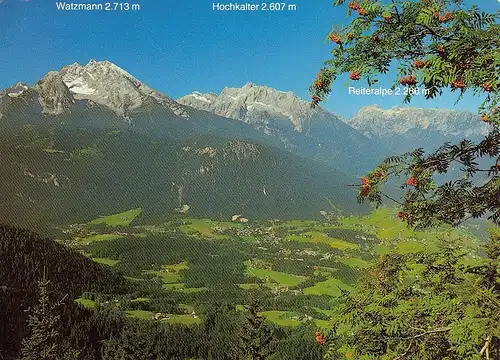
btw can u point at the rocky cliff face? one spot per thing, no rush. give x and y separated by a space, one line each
109 85
255 105
53 94
313 133
402 129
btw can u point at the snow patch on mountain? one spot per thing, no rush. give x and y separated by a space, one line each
107 84
252 102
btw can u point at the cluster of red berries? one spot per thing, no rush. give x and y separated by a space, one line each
365 187
487 87
320 338
485 118
387 19
362 12
354 5
447 16
379 274
411 181
417 64
318 84
458 84
408 80
350 36
335 38
355 75
400 215
315 100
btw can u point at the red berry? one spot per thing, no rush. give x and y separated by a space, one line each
315 100
362 12
458 84
418 64
355 75
408 80
365 190
353 5
485 118
487 87
335 38
411 181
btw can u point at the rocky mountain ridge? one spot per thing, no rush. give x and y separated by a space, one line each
310 132
101 92
253 104
404 128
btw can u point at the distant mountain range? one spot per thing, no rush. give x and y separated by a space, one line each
91 139
401 129
312 133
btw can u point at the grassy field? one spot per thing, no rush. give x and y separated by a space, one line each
248 286
331 287
182 319
121 219
206 228
180 287
106 261
169 274
319 237
87 303
277 277
355 262
141 299
281 318
290 318
98 237
140 314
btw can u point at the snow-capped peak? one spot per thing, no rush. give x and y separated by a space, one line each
108 84
253 101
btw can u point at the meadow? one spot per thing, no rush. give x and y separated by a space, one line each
296 268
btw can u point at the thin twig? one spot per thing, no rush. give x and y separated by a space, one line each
406 352
485 349
429 332
396 201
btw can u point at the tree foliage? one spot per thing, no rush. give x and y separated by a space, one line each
422 306
43 341
436 46
255 336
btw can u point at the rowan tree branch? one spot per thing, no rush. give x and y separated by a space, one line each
438 330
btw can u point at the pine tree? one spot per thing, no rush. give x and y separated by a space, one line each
43 323
254 336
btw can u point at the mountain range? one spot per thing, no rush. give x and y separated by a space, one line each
401 129
91 139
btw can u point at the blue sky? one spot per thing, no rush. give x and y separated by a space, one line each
178 46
